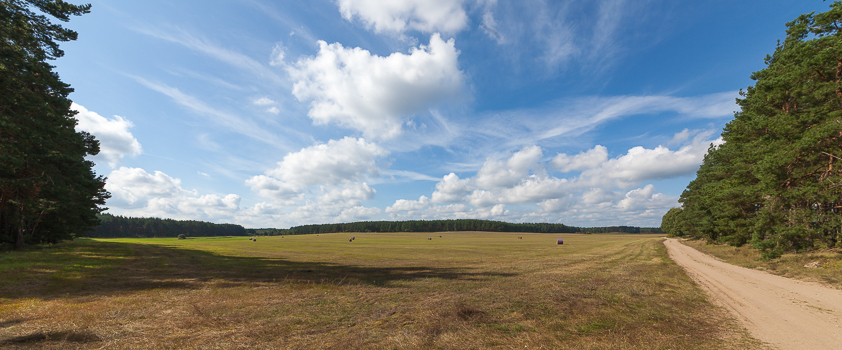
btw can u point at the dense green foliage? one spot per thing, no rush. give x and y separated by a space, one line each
48 191
449 225
127 227
777 180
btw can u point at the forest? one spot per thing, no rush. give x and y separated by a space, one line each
127 227
449 225
776 182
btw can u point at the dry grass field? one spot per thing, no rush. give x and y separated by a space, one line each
823 265
466 290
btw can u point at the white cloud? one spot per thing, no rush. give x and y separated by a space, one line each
563 119
133 187
349 194
207 206
358 213
273 110
584 160
115 140
408 205
278 54
229 121
644 199
325 182
397 16
236 59
510 172
453 211
592 34
602 193
272 188
451 189
534 189
641 164
332 163
373 94
590 112
489 26
263 101
556 205
138 193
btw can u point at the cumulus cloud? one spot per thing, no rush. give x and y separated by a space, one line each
269 187
350 194
115 140
645 198
140 193
348 159
451 189
397 16
408 205
373 94
584 160
535 188
452 211
518 179
605 189
326 182
510 172
358 213
133 187
641 164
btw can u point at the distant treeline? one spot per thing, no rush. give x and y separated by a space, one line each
447 225
120 227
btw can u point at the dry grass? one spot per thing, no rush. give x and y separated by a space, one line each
383 291
821 265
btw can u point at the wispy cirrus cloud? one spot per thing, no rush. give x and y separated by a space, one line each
574 117
205 46
398 16
228 120
591 35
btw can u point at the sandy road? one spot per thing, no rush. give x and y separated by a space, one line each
785 313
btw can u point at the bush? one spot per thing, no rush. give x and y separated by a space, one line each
182 236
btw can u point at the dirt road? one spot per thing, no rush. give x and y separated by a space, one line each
785 313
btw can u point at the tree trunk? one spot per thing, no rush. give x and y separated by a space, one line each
19 245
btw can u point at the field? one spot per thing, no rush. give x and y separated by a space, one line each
466 290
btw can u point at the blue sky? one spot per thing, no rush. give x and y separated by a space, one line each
274 114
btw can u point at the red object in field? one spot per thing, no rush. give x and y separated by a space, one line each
560 241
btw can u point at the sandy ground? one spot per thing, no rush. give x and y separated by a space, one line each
785 313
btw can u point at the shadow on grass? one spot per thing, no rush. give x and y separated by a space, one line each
89 268
64 337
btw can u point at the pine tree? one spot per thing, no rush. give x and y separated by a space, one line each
48 190
777 180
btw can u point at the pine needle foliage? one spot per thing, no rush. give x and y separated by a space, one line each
48 190
776 182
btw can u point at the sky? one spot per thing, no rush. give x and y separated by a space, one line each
283 113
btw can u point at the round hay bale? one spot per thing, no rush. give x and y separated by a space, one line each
560 241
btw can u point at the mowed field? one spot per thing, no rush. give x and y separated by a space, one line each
465 290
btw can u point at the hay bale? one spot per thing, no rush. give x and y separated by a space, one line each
560 241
